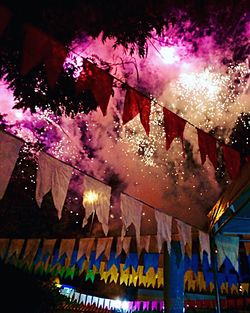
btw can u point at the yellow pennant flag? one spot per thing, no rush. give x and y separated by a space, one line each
133 277
234 289
211 287
151 277
114 274
124 275
245 287
104 276
160 278
142 278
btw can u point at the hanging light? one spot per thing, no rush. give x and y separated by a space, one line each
90 196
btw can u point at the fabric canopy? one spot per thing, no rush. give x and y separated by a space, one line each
234 205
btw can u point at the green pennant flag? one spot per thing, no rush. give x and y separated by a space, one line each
70 272
90 275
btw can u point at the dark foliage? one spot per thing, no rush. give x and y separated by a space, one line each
23 292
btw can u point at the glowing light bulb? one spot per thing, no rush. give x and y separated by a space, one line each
90 196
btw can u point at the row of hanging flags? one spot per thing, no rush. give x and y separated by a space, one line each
40 48
54 175
93 259
81 302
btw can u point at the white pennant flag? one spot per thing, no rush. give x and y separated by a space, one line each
96 199
204 245
9 150
164 230
55 176
185 232
131 210
82 298
228 246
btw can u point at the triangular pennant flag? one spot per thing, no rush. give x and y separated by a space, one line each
35 48
4 244
136 103
151 260
124 275
131 260
204 245
160 278
144 243
164 230
54 61
96 198
99 82
185 232
151 277
131 210
123 244
15 249
47 253
55 176
104 245
247 247
207 146
114 274
133 277
66 247
232 160
30 252
174 127
9 150
86 245
90 276
227 246
5 17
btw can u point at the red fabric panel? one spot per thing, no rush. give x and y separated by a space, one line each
174 127
207 146
99 82
5 16
232 160
136 103
35 48
54 61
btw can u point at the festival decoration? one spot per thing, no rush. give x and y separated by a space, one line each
52 175
185 233
174 127
98 81
5 17
131 214
204 245
164 229
97 202
9 151
207 146
232 160
134 104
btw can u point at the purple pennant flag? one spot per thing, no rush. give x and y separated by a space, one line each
161 306
154 305
137 305
130 305
145 305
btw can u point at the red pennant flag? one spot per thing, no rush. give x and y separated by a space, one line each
232 160
54 61
5 16
39 47
174 127
207 146
35 48
99 82
136 103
